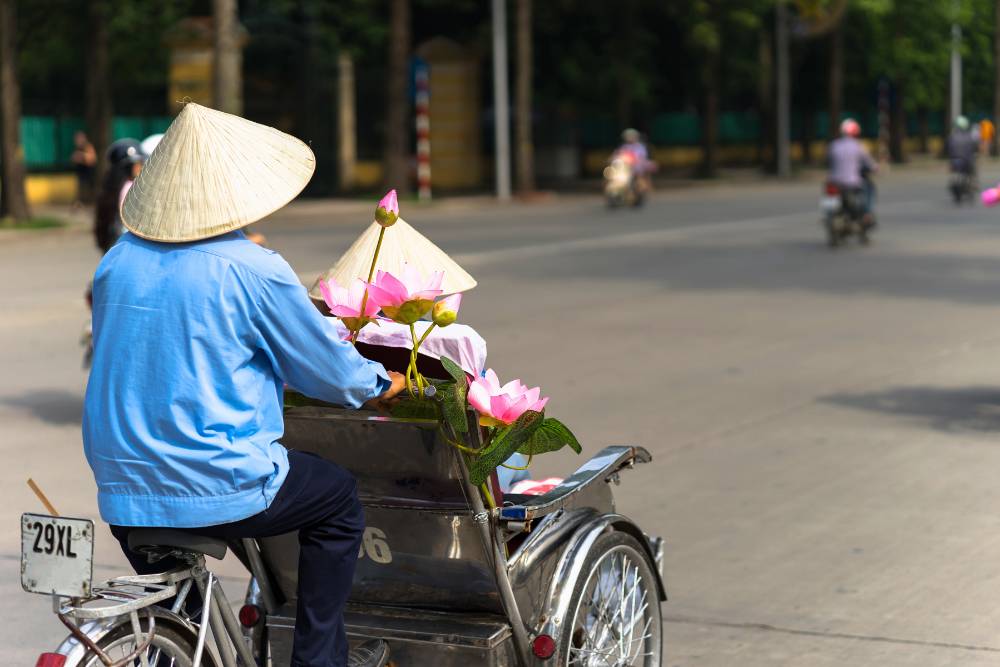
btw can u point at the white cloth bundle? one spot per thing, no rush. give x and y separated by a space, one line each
459 342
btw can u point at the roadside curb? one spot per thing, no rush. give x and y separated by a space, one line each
339 211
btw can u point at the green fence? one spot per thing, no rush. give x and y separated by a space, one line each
738 127
48 140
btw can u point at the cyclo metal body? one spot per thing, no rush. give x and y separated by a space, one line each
444 580
557 579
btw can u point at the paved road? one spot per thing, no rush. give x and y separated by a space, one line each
824 424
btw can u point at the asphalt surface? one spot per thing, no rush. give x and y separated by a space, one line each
823 423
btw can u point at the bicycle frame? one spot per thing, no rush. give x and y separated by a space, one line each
144 593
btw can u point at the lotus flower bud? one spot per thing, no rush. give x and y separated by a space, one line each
446 311
387 211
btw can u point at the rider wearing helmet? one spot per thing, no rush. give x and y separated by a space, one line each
962 148
634 151
632 143
125 159
851 164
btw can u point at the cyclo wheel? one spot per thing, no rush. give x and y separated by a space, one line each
169 648
615 618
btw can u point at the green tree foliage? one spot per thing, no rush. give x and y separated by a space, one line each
613 64
53 42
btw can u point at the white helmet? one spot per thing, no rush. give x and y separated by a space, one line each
150 143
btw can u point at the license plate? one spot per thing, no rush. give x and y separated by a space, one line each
827 204
57 555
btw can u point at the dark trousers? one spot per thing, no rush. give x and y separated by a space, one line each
319 500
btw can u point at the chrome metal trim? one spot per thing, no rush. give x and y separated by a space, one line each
603 466
225 610
124 608
656 544
519 630
96 629
571 566
137 631
206 596
335 413
259 574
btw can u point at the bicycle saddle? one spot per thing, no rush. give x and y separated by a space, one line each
158 543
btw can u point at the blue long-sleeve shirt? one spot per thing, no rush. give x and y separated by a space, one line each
193 343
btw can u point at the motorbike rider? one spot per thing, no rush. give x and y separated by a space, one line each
851 167
196 332
125 159
635 151
962 148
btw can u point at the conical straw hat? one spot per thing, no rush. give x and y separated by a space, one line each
214 172
402 244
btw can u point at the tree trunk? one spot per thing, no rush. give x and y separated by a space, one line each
397 108
897 127
923 129
13 202
623 62
525 145
765 101
836 77
806 138
98 85
311 95
347 147
710 118
227 58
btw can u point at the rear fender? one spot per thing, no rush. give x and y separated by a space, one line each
96 629
570 568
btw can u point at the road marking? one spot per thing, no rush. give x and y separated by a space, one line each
691 620
644 237
653 236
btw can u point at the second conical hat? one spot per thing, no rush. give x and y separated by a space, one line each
214 172
402 244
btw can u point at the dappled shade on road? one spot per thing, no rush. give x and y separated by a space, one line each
941 408
53 406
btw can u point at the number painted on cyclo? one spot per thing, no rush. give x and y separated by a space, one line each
375 546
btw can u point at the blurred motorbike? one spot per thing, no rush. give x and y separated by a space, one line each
962 186
843 214
623 186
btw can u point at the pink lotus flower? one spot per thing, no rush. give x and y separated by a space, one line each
498 405
387 211
408 299
345 303
446 310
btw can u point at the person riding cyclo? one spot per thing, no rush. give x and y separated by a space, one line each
197 331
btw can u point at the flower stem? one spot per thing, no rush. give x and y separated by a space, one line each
413 361
426 334
524 467
371 272
409 385
457 445
489 496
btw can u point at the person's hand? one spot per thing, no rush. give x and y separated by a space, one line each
386 400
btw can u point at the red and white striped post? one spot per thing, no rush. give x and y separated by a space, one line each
422 108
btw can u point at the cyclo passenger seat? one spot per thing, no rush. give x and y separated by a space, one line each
159 543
